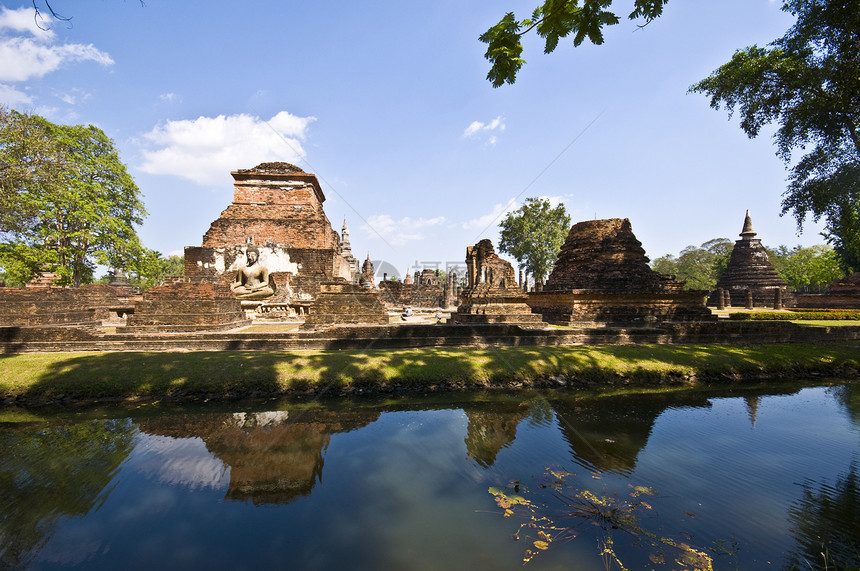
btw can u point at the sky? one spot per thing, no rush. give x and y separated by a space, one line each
387 104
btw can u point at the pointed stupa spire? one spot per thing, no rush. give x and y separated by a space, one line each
345 248
367 273
747 233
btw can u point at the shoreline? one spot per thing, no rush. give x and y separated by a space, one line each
36 379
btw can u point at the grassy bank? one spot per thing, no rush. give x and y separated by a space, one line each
50 377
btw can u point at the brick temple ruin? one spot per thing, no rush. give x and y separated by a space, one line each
750 280
278 208
844 294
426 290
275 230
272 254
492 294
602 277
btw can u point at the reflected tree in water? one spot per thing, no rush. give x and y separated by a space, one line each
54 472
491 430
849 395
825 523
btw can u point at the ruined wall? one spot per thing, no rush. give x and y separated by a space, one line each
86 305
345 303
397 295
186 306
844 294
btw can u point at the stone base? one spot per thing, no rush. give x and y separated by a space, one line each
526 320
489 303
341 303
765 296
585 308
185 307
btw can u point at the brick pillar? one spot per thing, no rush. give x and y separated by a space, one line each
749 299
727 298
721 298
777 298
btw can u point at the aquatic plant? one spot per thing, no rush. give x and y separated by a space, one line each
549 523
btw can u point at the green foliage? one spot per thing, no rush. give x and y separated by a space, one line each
826 523
808 270
805 270
553 20
799 315
149 268
534 234
66 196
55 473
701 267
807 83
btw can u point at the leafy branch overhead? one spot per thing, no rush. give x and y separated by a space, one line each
807 83
553 20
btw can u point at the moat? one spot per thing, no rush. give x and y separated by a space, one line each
747 478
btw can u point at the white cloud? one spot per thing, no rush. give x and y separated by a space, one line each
169 97
23 20
30 52
492 218
477 127
12 97
206 149
399 232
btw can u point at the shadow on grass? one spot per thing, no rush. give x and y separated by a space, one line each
256 373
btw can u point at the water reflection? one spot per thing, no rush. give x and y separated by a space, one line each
607 434
49 472
394 471
274 457
825 522
491 430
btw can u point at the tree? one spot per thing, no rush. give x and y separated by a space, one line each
808 270
534 234
149 268
808 83
553 20
701 267
65 198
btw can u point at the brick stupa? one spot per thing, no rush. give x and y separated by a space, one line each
749 276
602 277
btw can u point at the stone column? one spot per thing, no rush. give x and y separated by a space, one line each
777 298
749 299
721 298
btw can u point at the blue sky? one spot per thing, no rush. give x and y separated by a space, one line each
387 103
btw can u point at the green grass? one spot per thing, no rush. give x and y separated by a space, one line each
121 375
828 322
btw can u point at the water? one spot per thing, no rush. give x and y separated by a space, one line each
752 479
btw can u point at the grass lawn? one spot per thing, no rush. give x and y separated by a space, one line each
125 375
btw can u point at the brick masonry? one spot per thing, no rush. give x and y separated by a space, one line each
602 277
186 307
88 305
279 208
67 338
